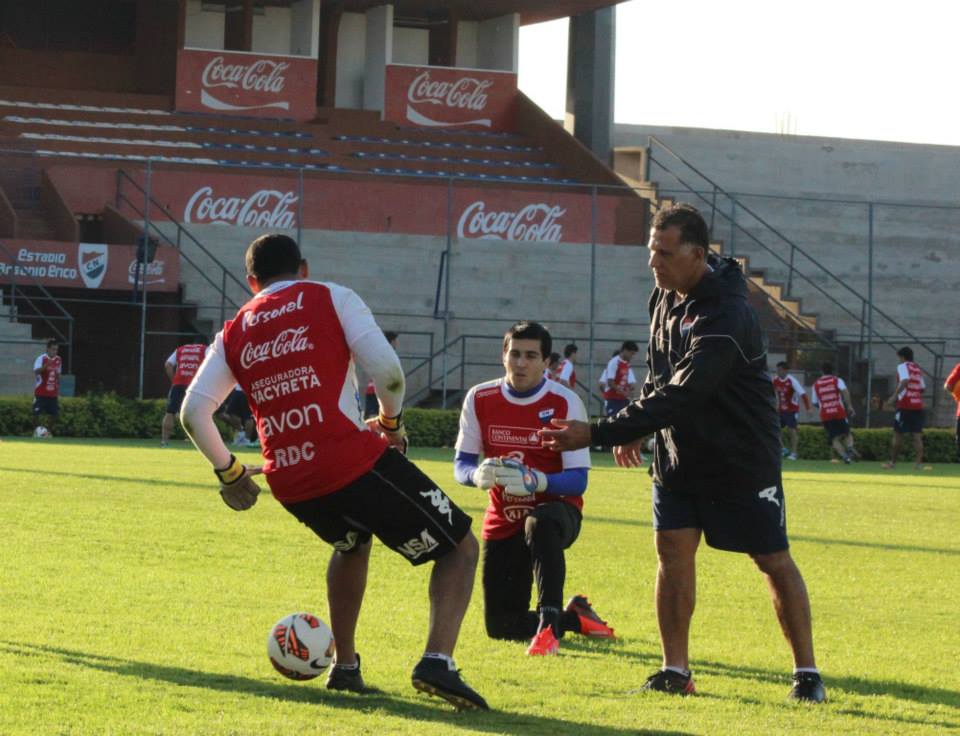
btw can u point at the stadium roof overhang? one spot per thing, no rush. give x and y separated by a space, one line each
531 11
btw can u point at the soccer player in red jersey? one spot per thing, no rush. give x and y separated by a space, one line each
536 496
908 399
46 370
181 367
789 392
292 349
567 372
831 395
952 384
618 380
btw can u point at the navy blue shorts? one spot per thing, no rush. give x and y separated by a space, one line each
788 419
908 421
48 405
836 428
175 398
612 406
755 524
237 406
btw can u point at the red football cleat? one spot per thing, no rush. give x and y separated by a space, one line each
544 643
590 623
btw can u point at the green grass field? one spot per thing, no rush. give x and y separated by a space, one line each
132 601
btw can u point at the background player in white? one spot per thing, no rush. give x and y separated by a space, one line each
907 398
181 366
567 372
292 349
535 495
618 380
789 393
46 370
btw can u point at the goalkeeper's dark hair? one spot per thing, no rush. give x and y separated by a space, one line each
273 255
530 331
693 228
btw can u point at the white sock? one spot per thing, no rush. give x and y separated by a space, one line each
678 670
354 666
445 657
814 670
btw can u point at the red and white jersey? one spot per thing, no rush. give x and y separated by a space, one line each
289 348
827 395
186 361
48 382
953 385
494 422
619 378
789 392
911 397
567 374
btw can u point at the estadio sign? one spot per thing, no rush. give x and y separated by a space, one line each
443 97
86 265
239 83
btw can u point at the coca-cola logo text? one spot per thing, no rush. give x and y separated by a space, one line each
266 208
466 93
287 342
260 75
538 222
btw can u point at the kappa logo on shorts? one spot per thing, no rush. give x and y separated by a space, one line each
417 547
347 543
440 502
770 494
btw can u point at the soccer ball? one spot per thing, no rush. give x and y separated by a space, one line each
41 432
300 646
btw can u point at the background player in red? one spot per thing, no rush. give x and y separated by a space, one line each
535 495
789 392
618 380
831 395
567 372
292 349
952 384
181 367
46 370
907 397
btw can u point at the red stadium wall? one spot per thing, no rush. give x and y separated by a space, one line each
68 70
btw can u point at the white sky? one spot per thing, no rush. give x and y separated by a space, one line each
880 70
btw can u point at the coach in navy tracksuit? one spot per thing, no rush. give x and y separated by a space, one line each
716 468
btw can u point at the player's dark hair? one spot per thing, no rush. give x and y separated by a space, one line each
827 369
553 359
529 331
905 353
782 364
273 255
52 342
629 345
693 228
569 350
390 335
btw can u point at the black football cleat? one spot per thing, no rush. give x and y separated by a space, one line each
434 676
342 678
668 681
807 688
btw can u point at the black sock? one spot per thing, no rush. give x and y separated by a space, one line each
550 617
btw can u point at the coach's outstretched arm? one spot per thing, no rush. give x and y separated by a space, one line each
209 388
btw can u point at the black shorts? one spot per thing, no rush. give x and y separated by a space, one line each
48 405
175 398
755 524
613 406
788 419
396 502
236 405
908 421
836 428
371 406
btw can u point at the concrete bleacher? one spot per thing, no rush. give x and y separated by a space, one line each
19 352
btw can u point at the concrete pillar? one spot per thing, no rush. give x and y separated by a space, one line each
498 43
590 80
305 28
443 39
379 54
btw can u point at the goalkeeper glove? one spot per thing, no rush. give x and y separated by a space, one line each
237 488
392 429
517 479
485 475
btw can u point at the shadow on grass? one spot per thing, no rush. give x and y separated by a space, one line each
113 478
438 712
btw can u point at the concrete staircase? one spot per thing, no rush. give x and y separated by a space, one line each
18 350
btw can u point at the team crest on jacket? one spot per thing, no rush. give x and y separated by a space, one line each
686 324
546 415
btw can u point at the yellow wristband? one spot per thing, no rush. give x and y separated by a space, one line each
231 473
391 424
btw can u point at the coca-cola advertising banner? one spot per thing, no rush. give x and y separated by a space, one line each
443 97
87 265
239 83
